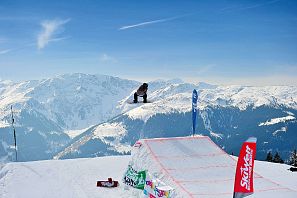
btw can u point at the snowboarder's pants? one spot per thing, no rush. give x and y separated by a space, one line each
136 98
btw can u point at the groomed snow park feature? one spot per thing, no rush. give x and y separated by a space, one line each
197 167
76 178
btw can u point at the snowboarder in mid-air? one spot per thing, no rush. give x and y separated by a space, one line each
141 91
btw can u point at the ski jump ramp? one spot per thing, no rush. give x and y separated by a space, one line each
197 167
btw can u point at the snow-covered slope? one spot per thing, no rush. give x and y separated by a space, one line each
63 178
177 97
65 111
228 114
73 101
191 165
76 178
48 111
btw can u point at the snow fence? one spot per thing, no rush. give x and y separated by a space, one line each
195 167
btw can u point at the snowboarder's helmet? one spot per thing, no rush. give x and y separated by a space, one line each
145 85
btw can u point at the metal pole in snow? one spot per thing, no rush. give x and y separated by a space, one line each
14 135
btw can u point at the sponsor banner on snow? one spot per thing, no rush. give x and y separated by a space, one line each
134 178
154 188
243 185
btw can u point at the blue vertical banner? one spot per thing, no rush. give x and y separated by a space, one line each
194 109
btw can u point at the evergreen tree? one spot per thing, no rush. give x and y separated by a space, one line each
293 158
269 157
277 158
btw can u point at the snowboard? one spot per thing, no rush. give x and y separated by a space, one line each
141 102
107 184
293 169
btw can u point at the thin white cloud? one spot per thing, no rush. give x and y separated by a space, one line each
259 5
17 48
49 29
151 22
5 51
107 58
238 8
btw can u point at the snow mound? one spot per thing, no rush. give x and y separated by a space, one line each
192 164
76 178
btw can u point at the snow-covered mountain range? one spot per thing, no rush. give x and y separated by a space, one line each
49 112
228 114
81 115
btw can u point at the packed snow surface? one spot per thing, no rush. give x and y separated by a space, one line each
63 178
195 167
114 130
109 130
177 98
74 133
277 120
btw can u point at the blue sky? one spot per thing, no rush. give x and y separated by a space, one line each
222 42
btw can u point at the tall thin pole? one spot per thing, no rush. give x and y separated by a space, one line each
194 109
14 135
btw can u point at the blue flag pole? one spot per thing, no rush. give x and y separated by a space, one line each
194 109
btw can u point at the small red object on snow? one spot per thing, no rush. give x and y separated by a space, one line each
107 184
137 144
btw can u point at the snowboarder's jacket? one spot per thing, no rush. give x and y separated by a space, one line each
142 89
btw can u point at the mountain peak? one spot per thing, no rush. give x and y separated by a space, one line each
204 85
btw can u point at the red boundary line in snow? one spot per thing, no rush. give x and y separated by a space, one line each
256 191
209 181
226 193
179 138
212 194
254 171
204 181
201 167
187 156
175 138
163 168
208 138
271 189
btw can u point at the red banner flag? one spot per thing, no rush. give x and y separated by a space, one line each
243 185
